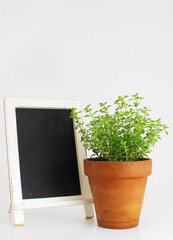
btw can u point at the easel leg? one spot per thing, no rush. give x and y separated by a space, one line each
9 210
89 211
18 217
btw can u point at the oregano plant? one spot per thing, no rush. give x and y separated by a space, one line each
127 134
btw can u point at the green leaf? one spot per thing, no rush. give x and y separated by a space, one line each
125 134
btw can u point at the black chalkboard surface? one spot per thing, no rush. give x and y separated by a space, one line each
47 153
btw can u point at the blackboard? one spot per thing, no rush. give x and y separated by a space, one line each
45 156
47 153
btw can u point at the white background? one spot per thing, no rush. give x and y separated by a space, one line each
92 50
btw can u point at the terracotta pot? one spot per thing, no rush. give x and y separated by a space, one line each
118 190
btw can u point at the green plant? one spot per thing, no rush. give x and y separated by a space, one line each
126 135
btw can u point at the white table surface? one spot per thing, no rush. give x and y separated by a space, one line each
67 223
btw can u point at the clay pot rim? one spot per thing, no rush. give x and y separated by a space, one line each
117 169
117 162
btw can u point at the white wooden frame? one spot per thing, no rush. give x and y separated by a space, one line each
18 204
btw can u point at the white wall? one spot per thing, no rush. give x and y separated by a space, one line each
91 50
